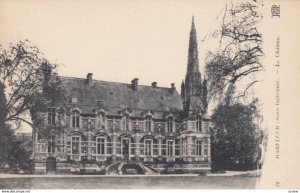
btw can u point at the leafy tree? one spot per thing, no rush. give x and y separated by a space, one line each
231 70
236 137
28 87
22 77
29 84
238 59
6 134
54 96
11 151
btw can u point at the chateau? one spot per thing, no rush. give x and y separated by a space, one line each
127 128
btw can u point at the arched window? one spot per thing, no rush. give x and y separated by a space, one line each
148 147
199 124
101 143
170 124
170 148
75 145
148 124
75 119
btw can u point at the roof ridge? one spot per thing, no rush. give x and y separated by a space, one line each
68 77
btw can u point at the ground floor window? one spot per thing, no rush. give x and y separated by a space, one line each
198 147
75 145
148 147
51 144
170 148
101 146
125 146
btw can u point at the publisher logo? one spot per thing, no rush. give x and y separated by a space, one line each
275 10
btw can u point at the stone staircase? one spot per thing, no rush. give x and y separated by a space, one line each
130 168
112 169
150 170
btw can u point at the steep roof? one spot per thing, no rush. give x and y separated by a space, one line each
118 96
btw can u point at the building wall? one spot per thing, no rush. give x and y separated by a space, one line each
107 139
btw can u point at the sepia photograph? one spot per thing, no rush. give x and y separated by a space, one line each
146 95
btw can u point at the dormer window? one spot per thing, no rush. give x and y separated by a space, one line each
199 124
170 124
101 120
126 122
51 116
75 119
148 124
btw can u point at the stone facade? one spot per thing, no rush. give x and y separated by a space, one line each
109 127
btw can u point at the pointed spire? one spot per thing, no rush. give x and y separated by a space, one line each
193 76
193 47
193 22
183 90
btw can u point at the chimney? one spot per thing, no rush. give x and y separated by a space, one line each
89 78
173 88
134 84
154 84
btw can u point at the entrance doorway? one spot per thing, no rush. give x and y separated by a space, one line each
51 165
126 148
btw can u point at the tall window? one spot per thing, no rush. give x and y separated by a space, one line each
148 147
51 116
198 147
148 124
51 144
101 146
75 145
75 120
60 144
199 124
170 125
170 148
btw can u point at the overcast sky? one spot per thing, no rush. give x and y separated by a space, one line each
115 40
